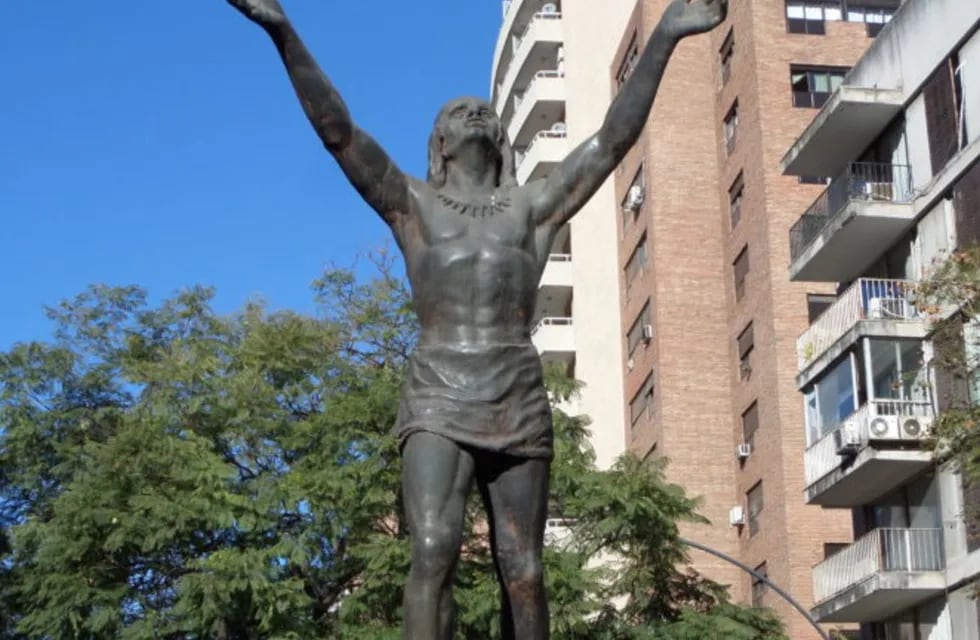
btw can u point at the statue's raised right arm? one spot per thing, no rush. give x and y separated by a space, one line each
370 170
566 190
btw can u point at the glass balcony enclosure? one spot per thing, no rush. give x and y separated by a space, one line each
886 373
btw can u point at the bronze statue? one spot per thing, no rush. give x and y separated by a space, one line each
475 244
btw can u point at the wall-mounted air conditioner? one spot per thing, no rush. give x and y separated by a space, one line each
736 516
634 198
847 439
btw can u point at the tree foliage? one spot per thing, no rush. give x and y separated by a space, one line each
951 295
168 472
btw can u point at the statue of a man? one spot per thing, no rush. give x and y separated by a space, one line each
475 244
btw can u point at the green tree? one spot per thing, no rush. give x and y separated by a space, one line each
951 295
168 472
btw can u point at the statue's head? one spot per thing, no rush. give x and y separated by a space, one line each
461 121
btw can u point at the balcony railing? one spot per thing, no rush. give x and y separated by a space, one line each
538 136
867 298
822 457
551 322
861 181
879 551
519 98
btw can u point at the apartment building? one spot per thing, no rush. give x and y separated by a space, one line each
668 296
548 88
899 142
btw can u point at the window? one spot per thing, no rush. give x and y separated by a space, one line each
735 200
726 54
874 17
640 330
638 259
740 270
731 127
750 424
813 180
630 58
817 303
945 112
746 342
813 85
831 549
759 586
635 196
642 402
830 400
809 16
754 498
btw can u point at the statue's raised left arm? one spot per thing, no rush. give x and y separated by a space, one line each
370 170
563 193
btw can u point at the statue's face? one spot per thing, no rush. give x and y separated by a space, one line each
466 119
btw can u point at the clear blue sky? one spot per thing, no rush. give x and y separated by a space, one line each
158 142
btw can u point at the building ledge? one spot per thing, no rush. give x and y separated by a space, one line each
881 596
869 475
850 120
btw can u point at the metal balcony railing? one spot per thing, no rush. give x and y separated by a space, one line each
861 181
821 456
867 298
519 98
559 257
538 136
551 322
541 15
879 551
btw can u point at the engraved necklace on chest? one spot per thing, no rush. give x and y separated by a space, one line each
481 207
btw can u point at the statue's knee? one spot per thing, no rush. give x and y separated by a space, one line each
523 571
433 550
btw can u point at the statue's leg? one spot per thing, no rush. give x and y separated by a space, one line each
516 494
436 476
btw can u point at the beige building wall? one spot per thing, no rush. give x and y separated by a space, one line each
592 32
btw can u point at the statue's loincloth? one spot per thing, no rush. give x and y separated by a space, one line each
490 397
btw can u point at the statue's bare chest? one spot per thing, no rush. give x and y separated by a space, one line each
493 222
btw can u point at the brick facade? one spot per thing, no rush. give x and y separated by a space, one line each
701 388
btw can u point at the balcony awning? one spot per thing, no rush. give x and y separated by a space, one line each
850 121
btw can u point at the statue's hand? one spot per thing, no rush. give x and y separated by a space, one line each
688 17
266 13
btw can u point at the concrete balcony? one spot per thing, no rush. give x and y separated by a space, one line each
539 107
862 213
558 272
847 124
546 150
536 49
871 307
517 15
885 572
554 338
874 450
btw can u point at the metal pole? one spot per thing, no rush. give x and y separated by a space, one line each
785 596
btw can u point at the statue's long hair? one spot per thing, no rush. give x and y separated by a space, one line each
506 169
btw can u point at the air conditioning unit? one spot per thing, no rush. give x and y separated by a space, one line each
736 516
634 198
889 309
883 428
559 127
551 7
847 439
630 364
915 427
743 451
648 332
